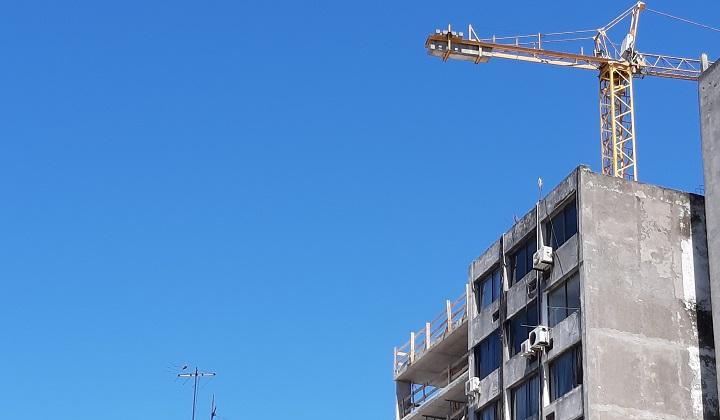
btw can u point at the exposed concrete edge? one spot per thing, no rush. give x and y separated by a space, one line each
556 198
486 261
567 407
490 390
709 70
582 176
484 317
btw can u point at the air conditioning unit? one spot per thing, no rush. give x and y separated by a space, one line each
539 337
543 258
472 386
531 288
525 349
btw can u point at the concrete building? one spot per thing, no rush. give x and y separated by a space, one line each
710 128
619 326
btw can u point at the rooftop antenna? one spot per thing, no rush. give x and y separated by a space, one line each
540 242
538 236
196 375
213 408
540 185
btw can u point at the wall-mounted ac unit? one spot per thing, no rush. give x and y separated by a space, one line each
525 349
472 386
539 337
543 258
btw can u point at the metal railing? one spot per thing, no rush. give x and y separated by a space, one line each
434 331
421 393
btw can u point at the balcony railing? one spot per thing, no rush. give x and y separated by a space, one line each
436 330
421 393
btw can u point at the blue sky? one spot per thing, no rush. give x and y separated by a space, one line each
275 191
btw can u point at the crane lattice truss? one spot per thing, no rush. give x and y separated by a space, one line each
617 65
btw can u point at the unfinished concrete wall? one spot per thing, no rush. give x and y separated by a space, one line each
710 125
647 334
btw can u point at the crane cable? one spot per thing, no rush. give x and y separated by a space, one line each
683 20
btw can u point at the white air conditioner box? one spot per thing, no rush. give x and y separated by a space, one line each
543 258
525 349
472 386
539 337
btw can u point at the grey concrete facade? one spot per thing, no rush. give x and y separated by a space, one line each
710 128
647 329
644 325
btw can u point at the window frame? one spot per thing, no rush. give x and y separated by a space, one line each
527 248
484 347
574 357
496 289
552 311
559 222
494 406
515 323
532 407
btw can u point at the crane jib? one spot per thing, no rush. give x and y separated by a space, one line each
616 70
616 105
458 48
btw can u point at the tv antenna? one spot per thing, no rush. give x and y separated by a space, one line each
196 377
213 409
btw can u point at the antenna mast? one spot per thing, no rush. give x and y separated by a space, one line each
213 409
196 376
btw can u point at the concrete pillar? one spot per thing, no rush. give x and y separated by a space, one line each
710 128
402 391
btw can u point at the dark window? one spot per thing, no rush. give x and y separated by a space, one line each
562 226
487 355
489 289
520 326
521 261
564 301
566 373
525 400
490 412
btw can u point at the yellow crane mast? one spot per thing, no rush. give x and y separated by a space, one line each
617 66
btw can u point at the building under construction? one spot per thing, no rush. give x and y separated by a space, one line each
594 305
616 324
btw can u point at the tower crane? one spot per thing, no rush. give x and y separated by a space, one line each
617 66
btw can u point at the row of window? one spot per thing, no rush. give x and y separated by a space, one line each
565 375
561 227
488 353
562 302
566 370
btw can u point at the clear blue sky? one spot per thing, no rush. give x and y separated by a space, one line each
276 191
